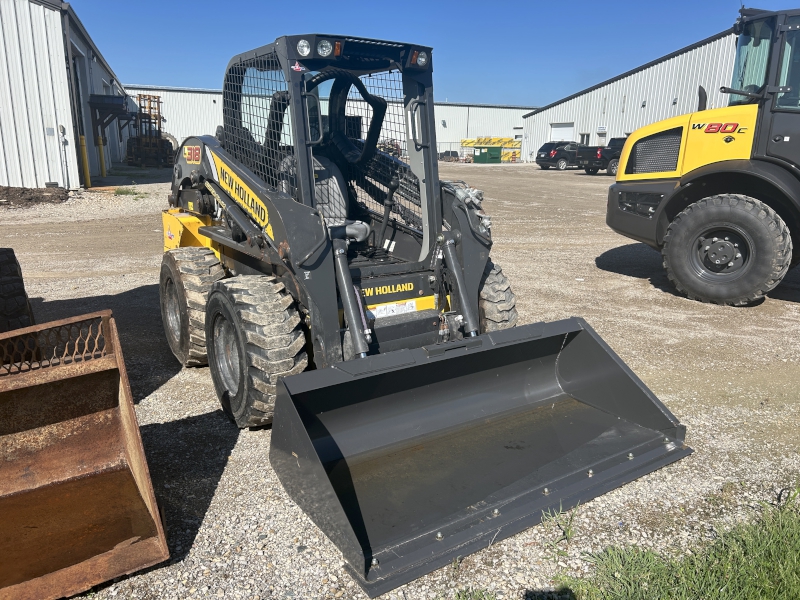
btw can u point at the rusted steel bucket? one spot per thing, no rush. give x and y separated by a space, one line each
76 503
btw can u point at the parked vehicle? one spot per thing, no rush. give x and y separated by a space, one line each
560 155
599 158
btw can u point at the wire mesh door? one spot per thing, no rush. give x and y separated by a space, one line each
257 118
391 158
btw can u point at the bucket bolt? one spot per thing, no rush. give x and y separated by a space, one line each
375 562
545 491
495 513
590 473
439 535
630 455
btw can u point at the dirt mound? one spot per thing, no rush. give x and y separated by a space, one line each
10 196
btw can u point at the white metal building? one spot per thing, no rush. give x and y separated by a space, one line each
199 112
663 88
49 69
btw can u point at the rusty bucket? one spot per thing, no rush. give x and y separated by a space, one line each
77 507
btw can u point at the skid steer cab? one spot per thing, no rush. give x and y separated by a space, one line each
718 191
312 233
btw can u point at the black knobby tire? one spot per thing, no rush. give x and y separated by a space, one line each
751 240
562 164
612 167
254 337
187 275
15 308
591 170
497 304
544 167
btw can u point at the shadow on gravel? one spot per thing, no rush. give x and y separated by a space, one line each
148 359
636 260
563 594
187 458
789 288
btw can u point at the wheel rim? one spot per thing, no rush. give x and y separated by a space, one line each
562 164
173 309
722 254
226 353
614 166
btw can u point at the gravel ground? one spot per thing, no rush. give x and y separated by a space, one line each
729 374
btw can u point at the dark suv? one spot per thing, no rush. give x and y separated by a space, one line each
557 154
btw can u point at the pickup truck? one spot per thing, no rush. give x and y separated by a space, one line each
594 158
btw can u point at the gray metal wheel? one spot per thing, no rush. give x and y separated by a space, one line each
254 337
562 164
612 167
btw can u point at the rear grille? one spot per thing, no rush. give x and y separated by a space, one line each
656 154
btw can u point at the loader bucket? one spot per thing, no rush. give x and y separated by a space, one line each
410 459
76 503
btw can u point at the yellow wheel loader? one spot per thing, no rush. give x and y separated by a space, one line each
340 291
718 191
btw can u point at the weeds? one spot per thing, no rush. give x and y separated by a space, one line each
760 559
125 191
565 522
474 595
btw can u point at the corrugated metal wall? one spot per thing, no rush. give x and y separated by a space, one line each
642 98
34 99
199 112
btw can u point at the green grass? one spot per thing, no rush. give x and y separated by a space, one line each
759 560
125 191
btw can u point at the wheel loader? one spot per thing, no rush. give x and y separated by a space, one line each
340 291
717 192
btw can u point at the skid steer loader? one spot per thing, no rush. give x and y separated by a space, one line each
312 233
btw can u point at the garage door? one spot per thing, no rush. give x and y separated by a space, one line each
562 132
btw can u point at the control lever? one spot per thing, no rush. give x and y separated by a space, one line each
388 203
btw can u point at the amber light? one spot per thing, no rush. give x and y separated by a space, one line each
337 49
414 57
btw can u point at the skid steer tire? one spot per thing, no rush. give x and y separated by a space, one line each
748 237
254 338
187 275
497 304
15 308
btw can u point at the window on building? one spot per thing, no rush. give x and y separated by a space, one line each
585 139
518 137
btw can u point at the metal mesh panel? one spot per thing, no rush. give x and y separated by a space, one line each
656 154
256 115
60 343
390 159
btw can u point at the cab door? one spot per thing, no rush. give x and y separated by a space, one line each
783 137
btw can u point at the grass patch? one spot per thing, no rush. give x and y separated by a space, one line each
125 191
760 559
474 595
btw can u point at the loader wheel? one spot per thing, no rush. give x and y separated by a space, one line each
187 275
497 304
562 164
254 338
15 308
612 167
727 249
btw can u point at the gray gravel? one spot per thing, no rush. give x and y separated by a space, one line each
730 375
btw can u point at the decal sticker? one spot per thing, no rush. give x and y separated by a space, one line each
170 235
388 289
387 310
192 154
244 196
719 127
298 67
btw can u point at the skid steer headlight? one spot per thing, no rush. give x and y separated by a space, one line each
303 48
422 59
324 48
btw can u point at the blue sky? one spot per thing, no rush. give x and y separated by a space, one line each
527 53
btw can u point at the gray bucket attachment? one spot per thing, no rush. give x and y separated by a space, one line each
409 459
